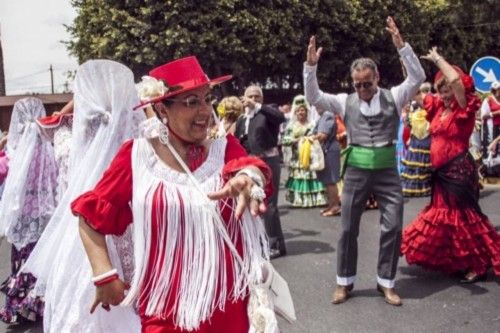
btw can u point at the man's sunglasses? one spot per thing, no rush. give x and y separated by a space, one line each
366 85
194 102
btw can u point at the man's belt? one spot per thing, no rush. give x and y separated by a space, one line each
369 158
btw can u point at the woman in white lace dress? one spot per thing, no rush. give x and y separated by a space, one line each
28 202
57 128
104 95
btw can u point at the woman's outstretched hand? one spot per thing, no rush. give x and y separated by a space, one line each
111 293
433 55
240 186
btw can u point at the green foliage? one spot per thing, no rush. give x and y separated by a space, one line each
265 41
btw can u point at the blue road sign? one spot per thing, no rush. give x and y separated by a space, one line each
485 71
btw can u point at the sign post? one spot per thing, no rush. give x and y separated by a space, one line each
485 71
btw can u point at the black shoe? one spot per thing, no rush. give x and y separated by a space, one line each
474 278
278 250
274 253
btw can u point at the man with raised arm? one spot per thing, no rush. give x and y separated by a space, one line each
371 115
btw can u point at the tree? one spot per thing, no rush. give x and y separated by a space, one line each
243 38
265 41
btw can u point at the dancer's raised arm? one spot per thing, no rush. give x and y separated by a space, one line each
451 76
415 74
314 95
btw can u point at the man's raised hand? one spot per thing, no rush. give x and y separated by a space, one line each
313 54
394 31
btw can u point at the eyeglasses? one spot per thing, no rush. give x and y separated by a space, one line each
194 102
366 85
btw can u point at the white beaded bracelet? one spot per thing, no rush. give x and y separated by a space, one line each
104 275
254 176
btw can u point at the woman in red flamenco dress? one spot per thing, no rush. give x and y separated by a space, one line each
451 234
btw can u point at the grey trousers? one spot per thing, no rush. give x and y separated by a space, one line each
358 185
272 220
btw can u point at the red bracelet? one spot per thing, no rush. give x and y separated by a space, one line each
106 280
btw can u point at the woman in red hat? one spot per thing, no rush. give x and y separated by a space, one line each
186 276
452 234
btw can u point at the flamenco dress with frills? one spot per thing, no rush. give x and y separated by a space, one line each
451 234
416 173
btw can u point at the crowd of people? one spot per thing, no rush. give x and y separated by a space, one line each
149 196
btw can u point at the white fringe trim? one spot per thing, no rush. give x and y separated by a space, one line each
188 239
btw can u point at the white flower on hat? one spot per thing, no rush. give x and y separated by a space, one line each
150 88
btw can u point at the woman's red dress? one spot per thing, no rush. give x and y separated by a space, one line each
107 210
449 235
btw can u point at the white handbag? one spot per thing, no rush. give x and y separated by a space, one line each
317 157
310 154
266 298
280 293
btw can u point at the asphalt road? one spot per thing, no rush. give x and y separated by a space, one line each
432 302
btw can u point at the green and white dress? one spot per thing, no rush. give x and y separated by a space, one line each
303 187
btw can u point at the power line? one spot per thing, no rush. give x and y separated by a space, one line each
44 86
28 75
37 73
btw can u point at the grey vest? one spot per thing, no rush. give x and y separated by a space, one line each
374 130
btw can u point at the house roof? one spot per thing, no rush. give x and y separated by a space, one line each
46 99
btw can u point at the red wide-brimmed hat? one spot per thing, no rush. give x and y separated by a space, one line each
179 76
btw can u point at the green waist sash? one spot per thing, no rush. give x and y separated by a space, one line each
370 158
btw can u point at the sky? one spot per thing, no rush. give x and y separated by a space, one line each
31 32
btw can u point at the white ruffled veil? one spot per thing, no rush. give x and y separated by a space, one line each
104 95
299 101
29 196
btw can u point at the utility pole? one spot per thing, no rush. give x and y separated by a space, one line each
51 78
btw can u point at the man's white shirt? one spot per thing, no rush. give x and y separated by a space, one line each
402 93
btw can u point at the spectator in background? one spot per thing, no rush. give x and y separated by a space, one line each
286 110
325 132
28 202
229 110
490 112
416 173
57 129
400 144
494 144
285 152
4 161
303 187
258 131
